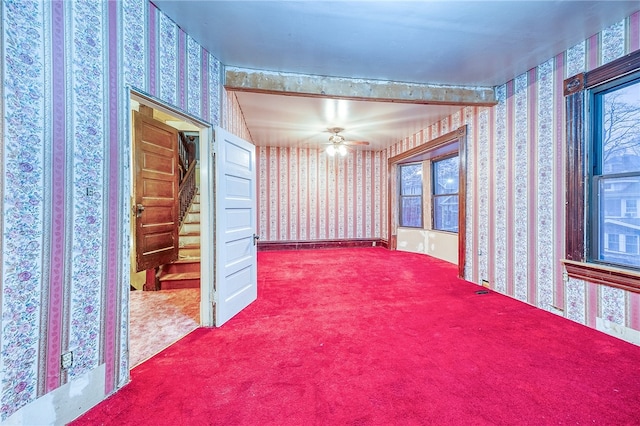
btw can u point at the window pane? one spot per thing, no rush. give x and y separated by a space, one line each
411 179
411 211
445 212
618 218
620 131
631 208
631 244
445 176
445 194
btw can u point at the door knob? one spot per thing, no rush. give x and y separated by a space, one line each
255 239
139 210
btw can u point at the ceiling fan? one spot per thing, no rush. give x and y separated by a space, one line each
338 144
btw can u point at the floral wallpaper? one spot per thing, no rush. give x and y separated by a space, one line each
67 67
86 177
303 194
232 117
24 203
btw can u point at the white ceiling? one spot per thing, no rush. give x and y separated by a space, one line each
277 120
469 43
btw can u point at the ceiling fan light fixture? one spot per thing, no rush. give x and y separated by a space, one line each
336 139
342 150
331 150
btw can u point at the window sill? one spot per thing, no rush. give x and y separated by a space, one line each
605 275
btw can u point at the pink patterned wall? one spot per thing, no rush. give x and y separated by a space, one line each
304 195
64 202
232 116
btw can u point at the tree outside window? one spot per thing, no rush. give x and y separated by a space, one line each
616 173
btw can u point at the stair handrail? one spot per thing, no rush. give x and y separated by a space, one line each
187 191
186 154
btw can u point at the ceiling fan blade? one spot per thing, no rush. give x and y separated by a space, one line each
356 142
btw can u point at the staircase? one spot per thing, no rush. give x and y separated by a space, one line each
185 272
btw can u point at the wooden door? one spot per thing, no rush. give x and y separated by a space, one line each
156 192
236 261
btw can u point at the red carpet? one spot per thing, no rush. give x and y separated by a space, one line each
376 337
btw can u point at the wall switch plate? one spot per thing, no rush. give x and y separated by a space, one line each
66 360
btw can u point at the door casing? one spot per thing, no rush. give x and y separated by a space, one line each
206 200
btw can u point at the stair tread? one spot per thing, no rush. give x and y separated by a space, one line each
186 260
180 276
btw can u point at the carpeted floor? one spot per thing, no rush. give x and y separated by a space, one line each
375 337
160 318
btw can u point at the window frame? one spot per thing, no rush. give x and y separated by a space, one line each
457 137
401 197
433 190
635 245
633 211
597 173
577 91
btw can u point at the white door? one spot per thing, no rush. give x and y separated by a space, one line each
236 275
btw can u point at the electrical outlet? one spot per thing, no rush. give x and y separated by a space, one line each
66 360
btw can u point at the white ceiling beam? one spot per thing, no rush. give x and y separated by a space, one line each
249 80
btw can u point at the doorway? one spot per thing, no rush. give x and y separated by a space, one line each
159 318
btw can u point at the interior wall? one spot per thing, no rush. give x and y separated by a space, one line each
65 207
516 188
304 194
233 117
442 245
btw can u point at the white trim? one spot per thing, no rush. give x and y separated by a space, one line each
65 403
206 190
206 226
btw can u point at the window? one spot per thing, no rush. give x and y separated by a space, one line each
445 194
613 242
631 208
411 195
447 145
603 174
631 244
615 170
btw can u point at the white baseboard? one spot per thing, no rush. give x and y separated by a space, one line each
64 404
620 331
